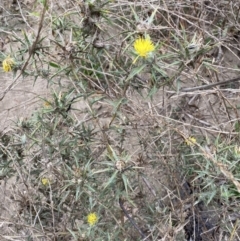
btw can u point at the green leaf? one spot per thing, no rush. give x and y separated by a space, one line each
126 183
152 91
160 71
54 65
43 2
26 39
35 14
102 170
73 234
150 20
134 14
135 71
237 126
110 181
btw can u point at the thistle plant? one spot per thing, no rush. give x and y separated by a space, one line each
119 146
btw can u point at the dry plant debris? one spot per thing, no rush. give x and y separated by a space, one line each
129 128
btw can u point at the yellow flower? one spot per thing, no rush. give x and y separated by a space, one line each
191 141
47 104
143 46
92 218
7 64
45 181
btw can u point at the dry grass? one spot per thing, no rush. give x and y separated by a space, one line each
148 144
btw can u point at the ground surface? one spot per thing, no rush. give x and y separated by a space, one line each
205 114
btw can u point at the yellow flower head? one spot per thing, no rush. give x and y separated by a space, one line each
47 104
7 64
45 181
92 218
191 141
143 46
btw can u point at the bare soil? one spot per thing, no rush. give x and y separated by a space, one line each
214 111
